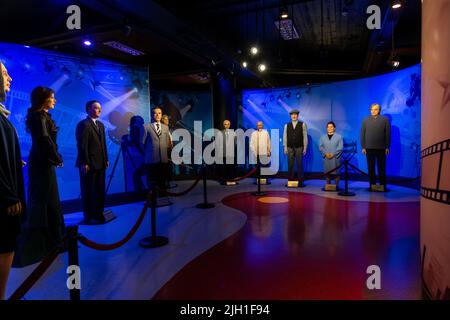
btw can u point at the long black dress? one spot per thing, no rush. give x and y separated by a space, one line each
44 227
11 185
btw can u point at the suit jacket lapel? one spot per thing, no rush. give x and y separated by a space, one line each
153 127
101 130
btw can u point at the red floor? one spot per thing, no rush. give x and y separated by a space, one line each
308 247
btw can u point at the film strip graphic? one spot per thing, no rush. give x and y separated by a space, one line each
436 194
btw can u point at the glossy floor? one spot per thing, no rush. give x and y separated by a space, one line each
290 244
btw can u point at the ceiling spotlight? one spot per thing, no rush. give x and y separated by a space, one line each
394 61
254 50
262 67
284 13
244 64
87 43
396 4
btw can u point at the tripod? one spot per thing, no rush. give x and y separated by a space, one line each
111 175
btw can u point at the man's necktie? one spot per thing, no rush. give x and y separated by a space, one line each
158 129
97 126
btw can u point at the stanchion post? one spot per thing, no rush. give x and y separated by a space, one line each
72 247
258 166
346 193
205 204
154 240
153 213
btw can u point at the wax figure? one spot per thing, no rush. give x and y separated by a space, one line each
156 141
92 162
44 227
12 190
260 144
295 142
375 143
229 152
331 146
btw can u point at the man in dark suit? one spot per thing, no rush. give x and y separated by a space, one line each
92 162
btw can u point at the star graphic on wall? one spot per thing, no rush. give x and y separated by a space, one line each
446 96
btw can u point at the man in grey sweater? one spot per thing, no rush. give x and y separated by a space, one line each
375 143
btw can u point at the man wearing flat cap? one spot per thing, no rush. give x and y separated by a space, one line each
295 142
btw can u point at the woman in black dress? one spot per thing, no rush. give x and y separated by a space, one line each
44 227
12 195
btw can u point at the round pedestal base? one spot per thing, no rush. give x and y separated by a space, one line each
258 194
205 205
346 194
153 242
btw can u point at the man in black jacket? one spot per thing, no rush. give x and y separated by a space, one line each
295 142
92 162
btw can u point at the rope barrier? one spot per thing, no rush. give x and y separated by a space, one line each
37 273
313 177
358 170
106 247
323 175
366 174
251 172
179 194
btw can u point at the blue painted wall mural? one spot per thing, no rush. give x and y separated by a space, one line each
122 90
346 103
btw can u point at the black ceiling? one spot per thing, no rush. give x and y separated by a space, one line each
180 38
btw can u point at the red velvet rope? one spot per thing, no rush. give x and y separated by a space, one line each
317 176
104 247
313 177
35 275
357 169
236 179
178 194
